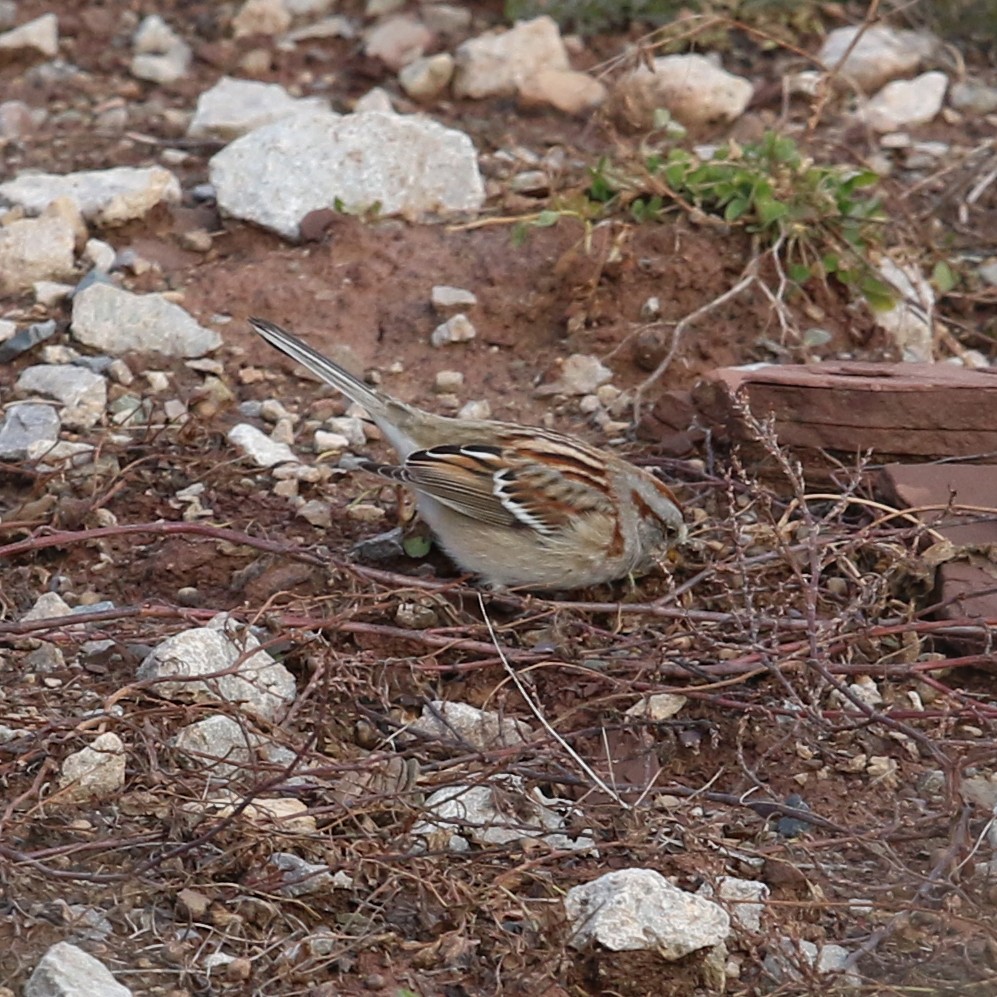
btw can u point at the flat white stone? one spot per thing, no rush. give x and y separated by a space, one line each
67 971
405 165
107 197
116 321
634 909
235 107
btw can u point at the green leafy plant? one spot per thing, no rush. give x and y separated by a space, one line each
822 219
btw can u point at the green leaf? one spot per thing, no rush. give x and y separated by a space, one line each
943 277
880 295
735 209
770 211
417 546
799 272
547 218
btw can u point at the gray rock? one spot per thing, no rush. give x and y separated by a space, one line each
260 448
988 272
907 322
881 54
25 423
635 909
447 300
97 772
38 38
497 812
784 962
456 329
970 96
82 393
308 8
905 103
34 249
219 662
743 898
116 321
26 339
408 166
565 89
299 878
397 41
106 197
692 88
493 64
218 745
445 18
462 723
67 971
235 107
48 605
581 374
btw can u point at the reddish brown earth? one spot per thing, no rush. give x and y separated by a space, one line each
766 616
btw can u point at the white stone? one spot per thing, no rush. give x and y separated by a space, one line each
493 64
397 41
329 27
447 300
234 107
744 899
39 37
581 374
410 166
263 451
299 877
461 723
67 971
692 88
226 664
217 745
48 605
448 381
308 8
446 18
658 707
51 292
326 442
261 17
47 455
82 393
479 408
904 103
567 90
973 97
107 197
784 957
427 77
496 813
634 909
97 772
316 512
880 54
161 55
33 249
376 99
25 423
456 329
100 254
350 427
907 321
116 321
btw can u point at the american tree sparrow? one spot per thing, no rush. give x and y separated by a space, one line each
517 505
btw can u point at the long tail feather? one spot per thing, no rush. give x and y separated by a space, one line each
329 371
